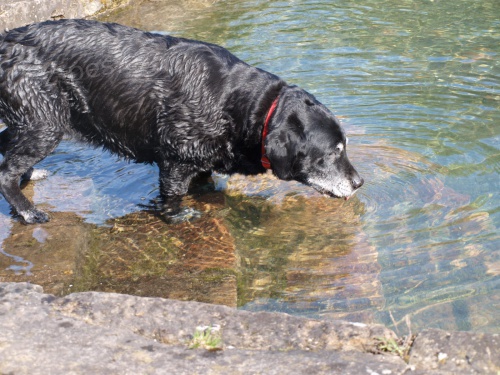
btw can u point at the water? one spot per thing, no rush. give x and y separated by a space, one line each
417 87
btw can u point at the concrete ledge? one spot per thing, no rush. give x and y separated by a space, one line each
103 333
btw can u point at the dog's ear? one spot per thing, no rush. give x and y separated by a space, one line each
279 157
283 145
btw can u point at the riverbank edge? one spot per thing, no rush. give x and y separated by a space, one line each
99 333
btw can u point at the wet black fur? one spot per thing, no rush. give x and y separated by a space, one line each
189 106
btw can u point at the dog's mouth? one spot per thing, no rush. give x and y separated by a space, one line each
352 194
331 194
325 192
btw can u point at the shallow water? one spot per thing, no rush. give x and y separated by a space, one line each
417 87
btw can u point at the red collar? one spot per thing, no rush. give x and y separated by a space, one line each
264 160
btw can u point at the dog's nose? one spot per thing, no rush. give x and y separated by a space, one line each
357 182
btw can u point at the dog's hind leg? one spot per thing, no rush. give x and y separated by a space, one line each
30 147
32 174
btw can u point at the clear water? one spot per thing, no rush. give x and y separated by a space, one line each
417 86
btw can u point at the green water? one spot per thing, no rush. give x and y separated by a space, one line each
417 87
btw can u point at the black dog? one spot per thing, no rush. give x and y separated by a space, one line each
191 107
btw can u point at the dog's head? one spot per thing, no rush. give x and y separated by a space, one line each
306 143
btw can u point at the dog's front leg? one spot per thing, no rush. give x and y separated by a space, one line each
174 183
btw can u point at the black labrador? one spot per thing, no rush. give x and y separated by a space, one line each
189 106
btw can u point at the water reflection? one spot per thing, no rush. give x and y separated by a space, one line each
311 254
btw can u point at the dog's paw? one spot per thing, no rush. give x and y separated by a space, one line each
34 216
39 174
35 175
185 214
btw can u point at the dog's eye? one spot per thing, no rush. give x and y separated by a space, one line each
309 102
339 148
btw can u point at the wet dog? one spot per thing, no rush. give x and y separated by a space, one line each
188 106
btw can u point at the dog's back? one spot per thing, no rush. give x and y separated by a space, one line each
114 81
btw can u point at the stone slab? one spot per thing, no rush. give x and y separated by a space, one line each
103 333
456 352
109 333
